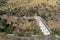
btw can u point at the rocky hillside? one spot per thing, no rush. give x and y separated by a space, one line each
47 9
17 3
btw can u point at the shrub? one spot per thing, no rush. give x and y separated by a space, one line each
44 16
10 12
2 12
29 32
3 2
3 22
55 31
49 14
7 28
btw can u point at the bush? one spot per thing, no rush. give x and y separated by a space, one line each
55 31
3 22
3 2
10 12
49 14
7 28
29 32
2 12
1 30
44 16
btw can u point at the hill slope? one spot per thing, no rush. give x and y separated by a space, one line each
47 9
18 3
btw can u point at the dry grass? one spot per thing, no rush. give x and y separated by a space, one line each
21 23
17 3
52 24
31 2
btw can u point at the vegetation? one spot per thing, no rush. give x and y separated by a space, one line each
7 28
43 10
10 12
29 32
3 2
2 12
2 21
55 31
10 29
44 16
